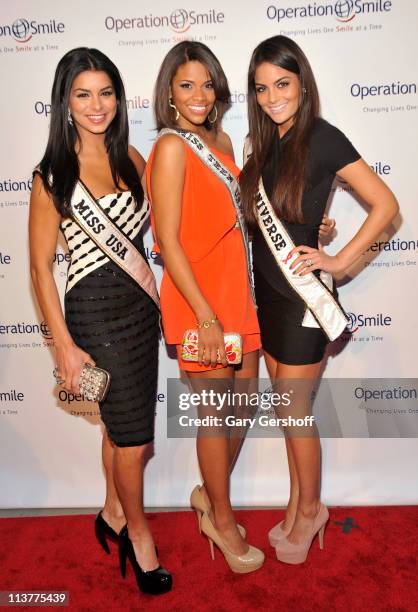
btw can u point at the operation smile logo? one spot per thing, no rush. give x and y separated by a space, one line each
179 21
81 408
22 30
137 102
342 10
10 185
390 254
26 329
396 244
357 321
385 94
66 397
14 192
8 397
397 88
380 399
372 327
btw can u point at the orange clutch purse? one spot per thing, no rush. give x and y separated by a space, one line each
233 346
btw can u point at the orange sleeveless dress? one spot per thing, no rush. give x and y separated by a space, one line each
215 250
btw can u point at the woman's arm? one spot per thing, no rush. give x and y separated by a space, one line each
384 207
44 221
167 181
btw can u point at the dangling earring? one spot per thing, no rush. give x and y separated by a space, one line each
304 90
170 103
69 117
216 115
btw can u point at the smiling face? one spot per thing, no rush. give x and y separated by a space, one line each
278 92
193 94
92 102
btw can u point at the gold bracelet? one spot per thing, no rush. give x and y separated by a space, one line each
207 324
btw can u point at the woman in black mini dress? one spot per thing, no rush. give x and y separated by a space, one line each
110 320
297 155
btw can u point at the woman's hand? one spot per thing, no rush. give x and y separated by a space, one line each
70 361
314 259
211 345
327 226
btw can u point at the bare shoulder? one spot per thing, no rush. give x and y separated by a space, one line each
224 143
169 148
42 207
137 159
39 195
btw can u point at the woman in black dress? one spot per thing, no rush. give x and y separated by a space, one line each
110 320
293 157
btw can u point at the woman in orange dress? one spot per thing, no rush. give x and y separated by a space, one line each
213 245
206 283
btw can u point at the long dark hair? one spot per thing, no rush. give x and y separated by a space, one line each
59 167
183 52
288 190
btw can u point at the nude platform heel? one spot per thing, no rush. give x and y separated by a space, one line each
297 553
250 561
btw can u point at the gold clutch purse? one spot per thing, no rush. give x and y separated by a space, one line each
233 347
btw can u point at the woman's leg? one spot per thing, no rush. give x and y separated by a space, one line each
128 471
112 510
214 460
292 504
305 451
294 489
246 381
247 372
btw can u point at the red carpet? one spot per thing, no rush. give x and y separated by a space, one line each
369 563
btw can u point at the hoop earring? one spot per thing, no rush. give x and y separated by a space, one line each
69 117
170 103
216 115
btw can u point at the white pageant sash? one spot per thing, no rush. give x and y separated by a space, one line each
111 240
322 307
212 162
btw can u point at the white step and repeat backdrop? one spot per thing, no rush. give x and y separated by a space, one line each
364 57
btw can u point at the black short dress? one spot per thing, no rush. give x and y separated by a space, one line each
280 309
116 322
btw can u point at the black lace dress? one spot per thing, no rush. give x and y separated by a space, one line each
117 323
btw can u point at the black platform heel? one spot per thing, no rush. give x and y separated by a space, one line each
155 582
103 531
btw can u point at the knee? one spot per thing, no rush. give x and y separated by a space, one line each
131 452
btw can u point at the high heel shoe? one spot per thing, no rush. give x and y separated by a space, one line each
155 582
250 561
277 533
199 504
297 553
103 531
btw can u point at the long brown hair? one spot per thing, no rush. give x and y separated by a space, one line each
59 167
288 189
183 52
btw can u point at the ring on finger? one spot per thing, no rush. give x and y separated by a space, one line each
58 379
308 262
